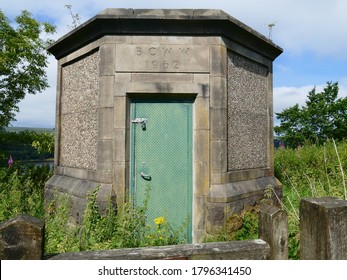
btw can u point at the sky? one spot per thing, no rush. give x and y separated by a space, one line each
312 33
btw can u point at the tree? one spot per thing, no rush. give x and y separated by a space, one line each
23 61
324 117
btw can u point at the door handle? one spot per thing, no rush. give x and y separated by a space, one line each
145 176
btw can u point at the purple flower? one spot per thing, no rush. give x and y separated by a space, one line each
10 161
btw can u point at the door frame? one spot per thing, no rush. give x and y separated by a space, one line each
198 93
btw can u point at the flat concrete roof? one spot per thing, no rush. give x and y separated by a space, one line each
164 22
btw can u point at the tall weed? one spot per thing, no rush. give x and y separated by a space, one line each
309 171
127 228
22 190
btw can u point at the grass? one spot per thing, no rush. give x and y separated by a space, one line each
309 171
129 228
22 191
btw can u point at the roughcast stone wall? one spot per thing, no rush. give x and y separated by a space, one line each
247 113
79 103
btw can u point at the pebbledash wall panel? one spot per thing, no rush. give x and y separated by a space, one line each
206 59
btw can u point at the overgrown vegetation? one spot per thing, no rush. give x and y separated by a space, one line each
22 190
128 228
238 227
309 171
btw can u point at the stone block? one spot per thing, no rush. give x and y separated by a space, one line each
199 211
121 83
100 176
120 111
121 145
238 191
201 113
105 155
203 79
201 157
218 60
215 217
106 91
107 59
75 172
161 77
219 98
165 40
218 156
219 124
105 120
120 176
77 191
22 238
162 58
323 229
210 40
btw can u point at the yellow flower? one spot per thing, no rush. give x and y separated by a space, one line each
159 221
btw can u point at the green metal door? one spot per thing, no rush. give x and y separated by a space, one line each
161 160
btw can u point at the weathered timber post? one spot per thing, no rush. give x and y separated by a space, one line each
273 228
323 229
21 238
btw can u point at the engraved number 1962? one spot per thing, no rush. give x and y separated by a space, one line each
165 64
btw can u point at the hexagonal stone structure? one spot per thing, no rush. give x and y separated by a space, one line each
123 70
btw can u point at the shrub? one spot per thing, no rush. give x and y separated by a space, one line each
128 228
22 190
309 171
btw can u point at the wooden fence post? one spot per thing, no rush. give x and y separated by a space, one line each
323 229
21 238
273 228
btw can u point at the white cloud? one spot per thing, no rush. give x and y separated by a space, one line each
317 26
311 26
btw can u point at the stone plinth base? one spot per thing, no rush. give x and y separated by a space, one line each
78 190
225 200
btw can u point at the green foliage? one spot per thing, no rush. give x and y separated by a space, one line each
238 227
128 228
309 171
22 190
324 117
23 60
25 145
44 143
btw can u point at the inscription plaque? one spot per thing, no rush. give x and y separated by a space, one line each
162 58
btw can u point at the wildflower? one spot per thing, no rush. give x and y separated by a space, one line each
10 161
159 221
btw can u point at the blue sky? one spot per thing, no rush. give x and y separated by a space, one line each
312 33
